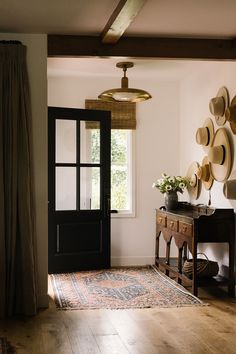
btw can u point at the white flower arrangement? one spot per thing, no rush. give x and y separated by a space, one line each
170 183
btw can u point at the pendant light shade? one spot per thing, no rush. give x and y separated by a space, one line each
125 94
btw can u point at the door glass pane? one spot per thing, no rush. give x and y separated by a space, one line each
89 188
65 141
89 142
65 188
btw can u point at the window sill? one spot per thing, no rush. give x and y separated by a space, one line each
123 214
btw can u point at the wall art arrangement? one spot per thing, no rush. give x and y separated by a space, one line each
217 161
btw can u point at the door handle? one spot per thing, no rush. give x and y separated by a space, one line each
108 206
58 239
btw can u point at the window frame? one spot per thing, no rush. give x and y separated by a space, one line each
131 179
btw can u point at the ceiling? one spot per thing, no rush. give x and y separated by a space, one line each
155 69
157 18
188 18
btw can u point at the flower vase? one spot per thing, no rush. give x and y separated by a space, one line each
171 200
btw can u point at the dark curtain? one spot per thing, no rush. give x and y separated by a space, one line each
17 227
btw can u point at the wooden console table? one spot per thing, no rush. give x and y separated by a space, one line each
189 225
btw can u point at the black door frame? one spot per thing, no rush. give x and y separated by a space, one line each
97 218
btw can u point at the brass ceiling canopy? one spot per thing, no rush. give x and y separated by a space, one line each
125 94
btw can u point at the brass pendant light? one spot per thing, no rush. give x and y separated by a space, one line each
124 94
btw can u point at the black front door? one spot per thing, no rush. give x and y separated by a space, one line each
79 189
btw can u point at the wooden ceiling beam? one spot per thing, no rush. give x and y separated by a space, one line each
120 20
136 47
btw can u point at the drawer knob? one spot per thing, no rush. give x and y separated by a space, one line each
160 220
171 224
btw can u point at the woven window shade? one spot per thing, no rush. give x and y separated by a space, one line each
123 114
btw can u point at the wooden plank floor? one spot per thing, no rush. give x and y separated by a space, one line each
199 329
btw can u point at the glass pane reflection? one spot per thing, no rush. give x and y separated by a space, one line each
65 188
89 188
65 141
89 142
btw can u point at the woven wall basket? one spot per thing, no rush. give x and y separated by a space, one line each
205 267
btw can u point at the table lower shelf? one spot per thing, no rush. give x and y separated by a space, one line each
172 269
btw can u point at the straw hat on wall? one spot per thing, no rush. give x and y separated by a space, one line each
230 115
204 173
219 104
194 183
220 156
229 187
205 134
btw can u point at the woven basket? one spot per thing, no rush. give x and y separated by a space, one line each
205 267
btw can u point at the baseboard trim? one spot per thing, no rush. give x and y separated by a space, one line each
43 301
131 261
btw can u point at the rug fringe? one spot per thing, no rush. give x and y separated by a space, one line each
131 308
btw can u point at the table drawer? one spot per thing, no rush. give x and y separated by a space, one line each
161 219
172 224
185 228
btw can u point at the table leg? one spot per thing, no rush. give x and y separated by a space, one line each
180 264
157 249
167 256
231 284
194 278
185 251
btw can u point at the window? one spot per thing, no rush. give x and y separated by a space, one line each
122 184
122 170
123 125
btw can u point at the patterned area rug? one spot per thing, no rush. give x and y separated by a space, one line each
119 288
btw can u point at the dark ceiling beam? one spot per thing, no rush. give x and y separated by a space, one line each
176 48
120 20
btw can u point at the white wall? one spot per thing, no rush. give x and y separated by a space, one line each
196 90
37 69
157 151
